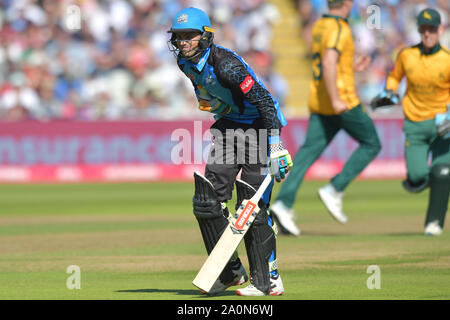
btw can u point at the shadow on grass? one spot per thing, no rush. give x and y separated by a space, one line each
182 292
406 234
316 233
346 234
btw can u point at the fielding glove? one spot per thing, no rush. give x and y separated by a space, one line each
280 159
384 99
443 124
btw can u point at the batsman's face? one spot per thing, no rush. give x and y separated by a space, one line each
188 42
429 35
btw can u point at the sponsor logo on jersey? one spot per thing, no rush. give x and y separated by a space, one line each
247 84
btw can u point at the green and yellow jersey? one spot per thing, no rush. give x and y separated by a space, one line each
332 32
428 81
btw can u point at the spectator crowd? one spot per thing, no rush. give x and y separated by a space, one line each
109 60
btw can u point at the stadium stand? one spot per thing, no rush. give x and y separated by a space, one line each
116 65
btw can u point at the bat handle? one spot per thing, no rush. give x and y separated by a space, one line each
262 188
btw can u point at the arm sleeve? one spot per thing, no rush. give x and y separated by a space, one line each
235 76
396 74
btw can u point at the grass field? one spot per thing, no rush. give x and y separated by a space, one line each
141 241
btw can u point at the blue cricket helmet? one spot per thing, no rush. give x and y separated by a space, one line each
188 20
191 19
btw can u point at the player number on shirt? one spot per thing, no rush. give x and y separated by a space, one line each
317 66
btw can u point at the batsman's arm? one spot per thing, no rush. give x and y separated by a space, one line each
234 75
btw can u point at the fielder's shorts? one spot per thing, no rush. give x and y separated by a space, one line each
421 141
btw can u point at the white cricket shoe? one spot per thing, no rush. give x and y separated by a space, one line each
276 288
433 229
239 279
333 202
285 217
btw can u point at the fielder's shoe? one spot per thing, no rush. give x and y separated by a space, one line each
285 218
333 202
240 278
415 188
433 229
276 288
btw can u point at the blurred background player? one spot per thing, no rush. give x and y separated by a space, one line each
227 87
334 105
427 70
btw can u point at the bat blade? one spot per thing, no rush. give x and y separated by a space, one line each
218 259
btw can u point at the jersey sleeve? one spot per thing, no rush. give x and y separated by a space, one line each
396 75
234 75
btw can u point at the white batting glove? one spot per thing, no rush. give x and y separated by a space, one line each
280 159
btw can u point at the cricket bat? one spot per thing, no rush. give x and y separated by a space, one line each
230 239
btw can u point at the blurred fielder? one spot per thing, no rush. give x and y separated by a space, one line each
427 117
244 110
334 105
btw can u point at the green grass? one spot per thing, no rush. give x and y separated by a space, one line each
141 241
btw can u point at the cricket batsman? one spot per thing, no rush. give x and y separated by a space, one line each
244 110
333 105
426 67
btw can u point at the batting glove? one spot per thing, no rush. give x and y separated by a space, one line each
206 102
280 159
